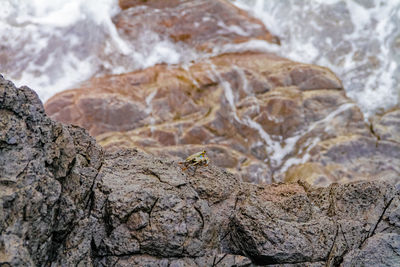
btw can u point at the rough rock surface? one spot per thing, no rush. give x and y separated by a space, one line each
47 171
64 203
200 24
290 223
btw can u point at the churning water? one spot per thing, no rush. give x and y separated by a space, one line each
54 45
358 39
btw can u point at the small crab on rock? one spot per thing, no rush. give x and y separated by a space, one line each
195 160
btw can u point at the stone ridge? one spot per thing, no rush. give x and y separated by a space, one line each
66 203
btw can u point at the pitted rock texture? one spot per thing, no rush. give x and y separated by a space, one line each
200 24
47 171
64 203
256 114
150 261
146 205
289 223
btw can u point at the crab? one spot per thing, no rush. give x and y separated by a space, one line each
195 160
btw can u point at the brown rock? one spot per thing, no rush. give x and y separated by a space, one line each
201 24
311 172
253 112
124 4
150 212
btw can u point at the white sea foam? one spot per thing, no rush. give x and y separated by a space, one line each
278 150
358 40
49 45
54 45
149 99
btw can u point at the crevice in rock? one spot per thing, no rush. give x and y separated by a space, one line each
58 237
201 216
344 237
236 202
380 217
216 263
372 232
93 249
371 129
235 234
4 144
57 240
151 210
90 196
107 219
271 260
332 202
331 258
7 183
118 255
116 262
154 174
24 171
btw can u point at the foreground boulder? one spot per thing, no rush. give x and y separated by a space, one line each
290 223
47 171
64 203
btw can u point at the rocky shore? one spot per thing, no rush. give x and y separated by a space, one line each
260 116
66 202
297 177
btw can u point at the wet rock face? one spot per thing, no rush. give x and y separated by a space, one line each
199 24
256 114
64 203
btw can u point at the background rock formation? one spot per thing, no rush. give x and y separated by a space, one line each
65 203
255 113
263 117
